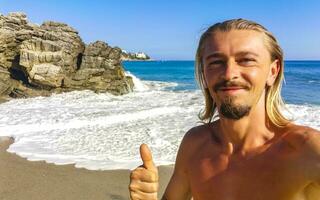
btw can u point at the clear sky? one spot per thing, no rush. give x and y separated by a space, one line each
169 29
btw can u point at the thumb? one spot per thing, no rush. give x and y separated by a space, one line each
146 157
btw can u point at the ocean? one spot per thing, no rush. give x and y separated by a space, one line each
102 131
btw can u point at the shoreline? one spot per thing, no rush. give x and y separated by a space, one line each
38 180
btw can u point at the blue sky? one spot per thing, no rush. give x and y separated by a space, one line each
170 30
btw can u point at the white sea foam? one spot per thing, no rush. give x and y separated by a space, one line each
102 131
142 86
138 84
305 114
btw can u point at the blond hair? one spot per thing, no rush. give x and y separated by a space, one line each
274 101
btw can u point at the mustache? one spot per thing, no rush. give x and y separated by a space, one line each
226 83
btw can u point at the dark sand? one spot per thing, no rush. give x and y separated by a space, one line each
21 179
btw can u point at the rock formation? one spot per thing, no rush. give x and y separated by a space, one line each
101 70
38 60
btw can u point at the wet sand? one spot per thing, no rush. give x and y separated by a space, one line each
21 179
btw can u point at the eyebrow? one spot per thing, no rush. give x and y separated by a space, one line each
215 55
246 53
241 53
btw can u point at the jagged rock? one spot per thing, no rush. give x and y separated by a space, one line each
101 70
38 60
47 75
43 62
5 84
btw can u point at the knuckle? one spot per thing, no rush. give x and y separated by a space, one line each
133 196
153 177
133 175
154 196
153 187
132 187
156 177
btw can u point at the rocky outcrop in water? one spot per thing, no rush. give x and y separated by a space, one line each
101 70
39 60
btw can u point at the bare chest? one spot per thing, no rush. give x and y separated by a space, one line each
270 175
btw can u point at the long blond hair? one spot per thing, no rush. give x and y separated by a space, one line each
274 101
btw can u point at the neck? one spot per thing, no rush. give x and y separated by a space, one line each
248 133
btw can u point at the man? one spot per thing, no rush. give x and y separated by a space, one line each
250 151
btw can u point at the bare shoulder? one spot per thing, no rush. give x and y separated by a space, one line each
194 139
307 141
304 137
190 144
198 135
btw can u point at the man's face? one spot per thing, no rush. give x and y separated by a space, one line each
237 66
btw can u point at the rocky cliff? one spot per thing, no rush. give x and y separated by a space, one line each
39 60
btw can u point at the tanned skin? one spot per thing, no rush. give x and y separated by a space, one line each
238 159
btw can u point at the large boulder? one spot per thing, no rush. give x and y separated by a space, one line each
42 61
101 70
37 60
10 27
51 55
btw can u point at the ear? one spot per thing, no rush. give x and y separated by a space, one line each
273 72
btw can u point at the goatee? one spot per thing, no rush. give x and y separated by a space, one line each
228 109
231 111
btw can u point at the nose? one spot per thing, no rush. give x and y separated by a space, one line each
231 71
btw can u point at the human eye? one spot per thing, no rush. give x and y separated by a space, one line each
216 63
247 61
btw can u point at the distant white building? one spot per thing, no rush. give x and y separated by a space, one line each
141 55
134 56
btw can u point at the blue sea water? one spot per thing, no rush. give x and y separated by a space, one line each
103 131
302 78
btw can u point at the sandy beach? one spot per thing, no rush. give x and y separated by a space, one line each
21 179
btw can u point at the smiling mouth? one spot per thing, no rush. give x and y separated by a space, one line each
230 88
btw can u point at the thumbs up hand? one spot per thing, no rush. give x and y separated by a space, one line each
144 179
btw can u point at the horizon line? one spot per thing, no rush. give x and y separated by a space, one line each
194 60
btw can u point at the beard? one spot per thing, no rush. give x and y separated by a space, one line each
228 108
232 111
